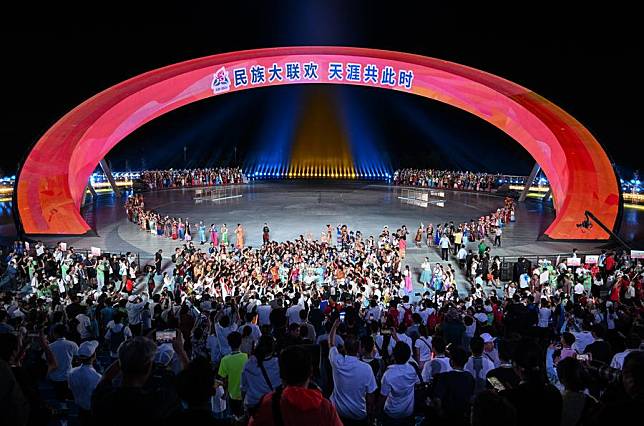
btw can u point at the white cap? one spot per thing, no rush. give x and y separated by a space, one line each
131 298
87 349
487 338
164 354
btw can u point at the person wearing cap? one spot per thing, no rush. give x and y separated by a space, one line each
131 402
83 380
489 349
478 365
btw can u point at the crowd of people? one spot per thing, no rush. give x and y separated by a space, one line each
324 331
163 179
446 179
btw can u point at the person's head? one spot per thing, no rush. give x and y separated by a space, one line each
632 341
351 346
598 331
476 346
506 347
401 353
234 340
304 315
265 347
633 375
528 361
567 339
224 321
294 329
491 409
457 357
571 374
87 352
438 345
295 366
60 330
195 384
488 342
136 357
9 347
246 331
367 345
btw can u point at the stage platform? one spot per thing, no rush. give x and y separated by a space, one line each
293 208
296 207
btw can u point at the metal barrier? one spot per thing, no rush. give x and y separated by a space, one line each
508 262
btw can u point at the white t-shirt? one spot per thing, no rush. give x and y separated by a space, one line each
582 339
84 326
212 344
398 386
218 401
263 314
113 327
439 364
253 382
544 317
402 337
375 313
222 337
618 358
64 351
424 346
482 373
425 313
353 380
444 242
293 314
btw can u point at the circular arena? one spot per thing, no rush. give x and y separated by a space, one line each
445 231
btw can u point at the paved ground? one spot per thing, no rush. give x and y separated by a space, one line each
293 208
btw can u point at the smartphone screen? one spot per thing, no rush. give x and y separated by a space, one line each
496 383
166 336
342 316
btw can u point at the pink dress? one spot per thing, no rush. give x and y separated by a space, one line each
409 287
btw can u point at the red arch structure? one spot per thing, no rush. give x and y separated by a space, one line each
53 178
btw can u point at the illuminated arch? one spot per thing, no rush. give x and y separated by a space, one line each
53 178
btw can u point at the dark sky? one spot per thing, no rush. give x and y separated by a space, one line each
584 61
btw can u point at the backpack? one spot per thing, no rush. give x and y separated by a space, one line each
479 382
393 313
432 321
129 285
116 338
407 318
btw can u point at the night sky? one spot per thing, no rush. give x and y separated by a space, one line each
583 61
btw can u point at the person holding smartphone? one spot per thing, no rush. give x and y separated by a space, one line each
354 382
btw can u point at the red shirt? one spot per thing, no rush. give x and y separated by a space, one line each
299 406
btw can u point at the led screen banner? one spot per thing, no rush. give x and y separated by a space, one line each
53 178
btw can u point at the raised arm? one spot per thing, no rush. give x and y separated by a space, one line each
336 324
